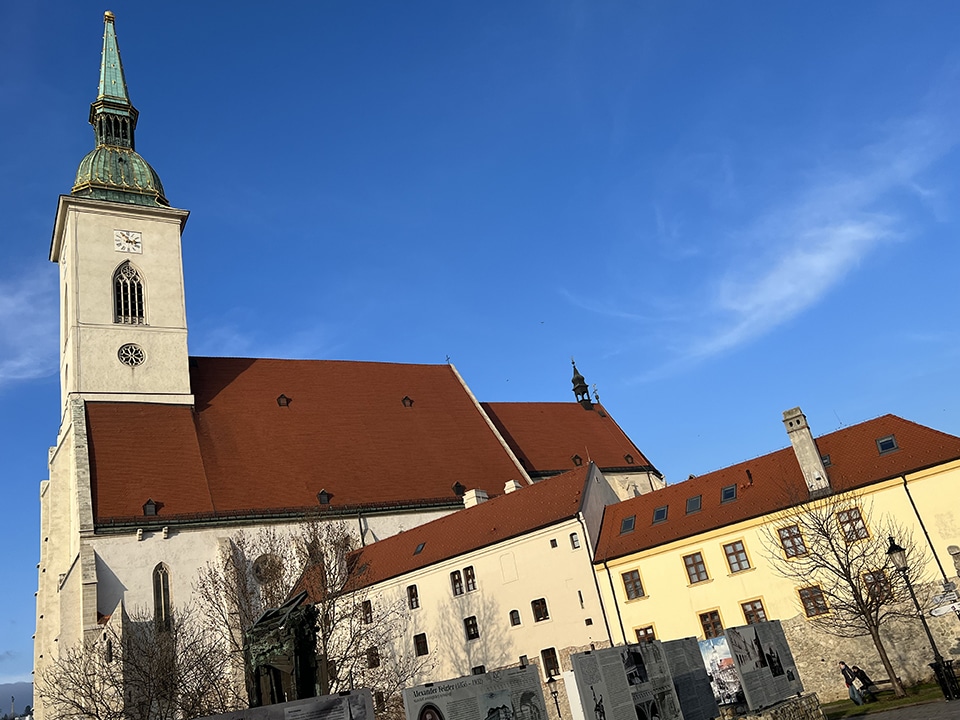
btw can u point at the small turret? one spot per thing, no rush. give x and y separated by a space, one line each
580 389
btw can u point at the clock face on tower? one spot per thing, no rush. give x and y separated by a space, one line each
127 241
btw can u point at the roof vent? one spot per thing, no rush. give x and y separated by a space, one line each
407 401
459 488
150 508
284 401
629 458
324 497
577 460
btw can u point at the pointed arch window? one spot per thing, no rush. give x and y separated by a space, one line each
128 305
161 597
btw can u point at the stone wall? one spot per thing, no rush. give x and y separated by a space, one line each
806 707
817 653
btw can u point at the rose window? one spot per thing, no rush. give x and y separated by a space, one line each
131 355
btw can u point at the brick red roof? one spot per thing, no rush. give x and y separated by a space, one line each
546 436
774 482
346 431
545 503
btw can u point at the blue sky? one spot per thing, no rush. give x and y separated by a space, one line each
722 210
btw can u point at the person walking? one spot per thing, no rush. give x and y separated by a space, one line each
866 684
849 678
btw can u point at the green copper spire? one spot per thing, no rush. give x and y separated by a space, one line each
113 170
113 84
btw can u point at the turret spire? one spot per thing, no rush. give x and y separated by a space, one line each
113 170
580 388
113 100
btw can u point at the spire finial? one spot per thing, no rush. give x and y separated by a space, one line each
108 16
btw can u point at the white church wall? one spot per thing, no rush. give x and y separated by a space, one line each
510 575
125 564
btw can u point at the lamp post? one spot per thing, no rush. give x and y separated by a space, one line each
948 683
555 694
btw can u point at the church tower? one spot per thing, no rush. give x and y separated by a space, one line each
123 334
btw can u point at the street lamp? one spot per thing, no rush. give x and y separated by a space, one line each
898 558
554 693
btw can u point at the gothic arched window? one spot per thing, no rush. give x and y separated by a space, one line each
128 295
161 597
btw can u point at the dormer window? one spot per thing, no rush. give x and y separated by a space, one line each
693 504
887 444
627 524
660 514
728 494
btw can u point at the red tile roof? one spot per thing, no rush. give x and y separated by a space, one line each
546 436
346 430
545 503
141 452
773 482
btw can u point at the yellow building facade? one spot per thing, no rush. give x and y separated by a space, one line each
712 552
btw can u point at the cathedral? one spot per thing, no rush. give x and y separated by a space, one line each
160 456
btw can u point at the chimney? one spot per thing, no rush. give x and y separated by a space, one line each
474 497
805 448
511 485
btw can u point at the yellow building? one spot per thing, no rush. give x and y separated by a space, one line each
709 552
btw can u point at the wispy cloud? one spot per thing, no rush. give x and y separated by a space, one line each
800 246
805 270
229 340
28 326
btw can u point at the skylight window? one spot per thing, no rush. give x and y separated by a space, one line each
728 494
693 504
419 548
887 444
626 525
826 460
660 514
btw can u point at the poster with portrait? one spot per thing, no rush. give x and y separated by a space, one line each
511 694
354 705
690 679
764 663
629 682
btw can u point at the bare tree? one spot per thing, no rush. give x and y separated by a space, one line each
138 669
834 550
359 637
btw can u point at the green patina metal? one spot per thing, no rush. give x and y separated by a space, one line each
280 654
113 170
